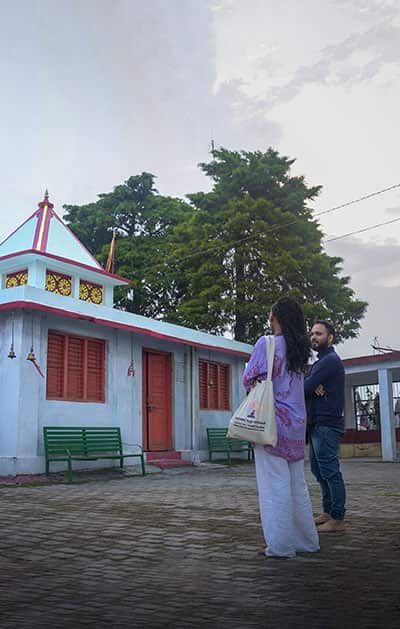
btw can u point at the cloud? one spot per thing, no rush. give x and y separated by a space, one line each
393 211
362 56
375 277
96 91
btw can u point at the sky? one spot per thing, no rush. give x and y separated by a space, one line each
94 91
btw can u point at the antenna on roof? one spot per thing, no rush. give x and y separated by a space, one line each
377 347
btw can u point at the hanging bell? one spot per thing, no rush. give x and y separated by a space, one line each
31 356
11 353
131 369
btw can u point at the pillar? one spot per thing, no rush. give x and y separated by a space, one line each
388 433
194 399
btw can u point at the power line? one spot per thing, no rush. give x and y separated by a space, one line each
364 229
276 228
364 198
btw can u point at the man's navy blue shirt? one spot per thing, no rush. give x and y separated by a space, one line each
328 371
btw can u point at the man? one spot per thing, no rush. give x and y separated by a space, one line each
324 389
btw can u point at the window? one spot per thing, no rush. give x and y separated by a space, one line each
75 368
214 386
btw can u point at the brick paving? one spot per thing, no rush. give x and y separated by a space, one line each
179 549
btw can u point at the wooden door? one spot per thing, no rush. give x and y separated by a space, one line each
157 414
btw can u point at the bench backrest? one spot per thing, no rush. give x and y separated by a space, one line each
217 437
81 439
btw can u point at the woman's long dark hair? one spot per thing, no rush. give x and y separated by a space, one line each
291 319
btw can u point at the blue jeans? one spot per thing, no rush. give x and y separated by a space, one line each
324 461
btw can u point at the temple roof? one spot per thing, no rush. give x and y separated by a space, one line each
46 233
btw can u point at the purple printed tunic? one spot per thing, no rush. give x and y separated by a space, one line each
289 398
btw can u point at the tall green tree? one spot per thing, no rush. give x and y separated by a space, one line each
219 262
142 219
251 240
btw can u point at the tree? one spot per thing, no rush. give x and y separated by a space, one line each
251 240
219 262
142 219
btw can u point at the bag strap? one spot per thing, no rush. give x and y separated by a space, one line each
270 350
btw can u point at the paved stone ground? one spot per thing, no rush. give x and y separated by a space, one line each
179 549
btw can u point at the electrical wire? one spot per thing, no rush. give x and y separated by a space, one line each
363 229
276 228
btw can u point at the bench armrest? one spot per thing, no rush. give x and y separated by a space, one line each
136 445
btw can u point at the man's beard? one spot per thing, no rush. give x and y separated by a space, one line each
317 347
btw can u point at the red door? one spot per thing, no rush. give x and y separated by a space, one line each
157 420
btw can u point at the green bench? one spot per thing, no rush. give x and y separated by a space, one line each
219 442
83 443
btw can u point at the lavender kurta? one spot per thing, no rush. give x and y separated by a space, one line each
289 398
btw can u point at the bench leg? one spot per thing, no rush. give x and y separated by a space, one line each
142 464
121 462
69 471
209 455
47 467
229 458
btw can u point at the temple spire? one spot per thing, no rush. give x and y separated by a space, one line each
46 202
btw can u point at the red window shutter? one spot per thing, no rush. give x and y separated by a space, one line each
203 383
55 365
212 385
224 387
75 368
95 370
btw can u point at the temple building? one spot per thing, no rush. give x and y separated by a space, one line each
68 357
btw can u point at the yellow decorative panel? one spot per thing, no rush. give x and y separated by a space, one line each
58 283
91 292
19 278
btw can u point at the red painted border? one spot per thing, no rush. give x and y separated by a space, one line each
352 435
12 305
370 360
61 259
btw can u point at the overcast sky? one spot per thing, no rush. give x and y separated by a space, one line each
94 91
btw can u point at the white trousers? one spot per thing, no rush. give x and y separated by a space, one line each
285 506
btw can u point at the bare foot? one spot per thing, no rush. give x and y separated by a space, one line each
332 526
321 519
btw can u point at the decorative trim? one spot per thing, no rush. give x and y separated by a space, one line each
81 265
18 278
120 326
90 292
58 283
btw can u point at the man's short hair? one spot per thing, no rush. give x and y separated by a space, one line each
328 326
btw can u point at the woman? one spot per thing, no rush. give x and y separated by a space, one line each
285 505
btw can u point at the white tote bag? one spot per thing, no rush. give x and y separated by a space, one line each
254 420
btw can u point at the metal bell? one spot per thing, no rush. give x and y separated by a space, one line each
31 356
